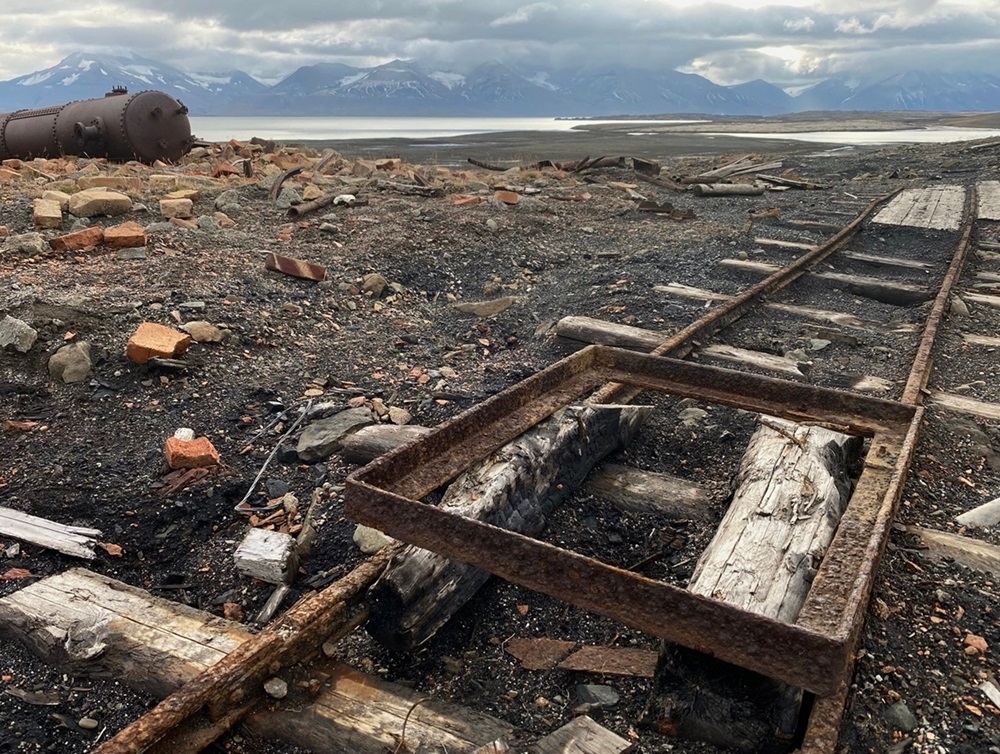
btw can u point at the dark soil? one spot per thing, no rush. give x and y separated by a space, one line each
95 457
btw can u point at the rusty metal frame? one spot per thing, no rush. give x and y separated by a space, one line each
814 653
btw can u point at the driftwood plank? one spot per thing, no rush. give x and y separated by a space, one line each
71 540
767 362
93 625
982 298
637 491
582 736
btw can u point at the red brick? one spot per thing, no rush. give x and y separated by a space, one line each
125 236
151 339
198 453
87 238
466 200
507 197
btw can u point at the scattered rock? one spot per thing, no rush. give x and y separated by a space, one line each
16 334
370 540
597 695
325 436
203 332
27 243
276 688
485 308
958 307
71 363
900 718
46 213
374 283
176 208
96 202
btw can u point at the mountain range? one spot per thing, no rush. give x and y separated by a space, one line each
493 89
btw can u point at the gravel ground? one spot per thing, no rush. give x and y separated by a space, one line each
573 245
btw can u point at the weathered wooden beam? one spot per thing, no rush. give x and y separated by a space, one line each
90 624
991 341
638 491
77 541
779 244
726 189
370 442
972 553
881 261
515 488
963 405
886 291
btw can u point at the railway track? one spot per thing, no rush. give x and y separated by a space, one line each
899 251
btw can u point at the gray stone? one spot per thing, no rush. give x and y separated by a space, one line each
485 308
328 228
184 433
227 201
88 723
958 307
191 305
374 283
136 252
324 437
493 225
900 717
16 334
597 695
818 344
288 197
692 416
71 363
27 243
203 332
370 540
207 222
987 514
276 688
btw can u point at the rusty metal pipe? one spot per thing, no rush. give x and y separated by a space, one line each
147 127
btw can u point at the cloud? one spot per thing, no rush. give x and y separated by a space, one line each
524 14
720 37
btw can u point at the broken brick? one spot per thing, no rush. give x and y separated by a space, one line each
507 197
295 267
125 236
198 453
466 200
87 238
150 340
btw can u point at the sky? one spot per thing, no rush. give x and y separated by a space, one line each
792 43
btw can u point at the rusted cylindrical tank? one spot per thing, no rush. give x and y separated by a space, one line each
147 126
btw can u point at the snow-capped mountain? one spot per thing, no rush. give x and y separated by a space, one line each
85 76
494 89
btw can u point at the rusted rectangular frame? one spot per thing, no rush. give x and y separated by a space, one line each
385 494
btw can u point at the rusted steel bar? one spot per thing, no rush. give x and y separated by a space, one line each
444 453
147 126
780 650
679 345
385 494
230 681
921 370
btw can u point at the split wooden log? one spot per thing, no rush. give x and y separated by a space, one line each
92 625
727 189
792 487
77 541
515 488
790 182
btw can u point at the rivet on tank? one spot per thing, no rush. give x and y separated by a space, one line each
147 127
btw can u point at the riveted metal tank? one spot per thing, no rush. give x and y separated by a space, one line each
147 126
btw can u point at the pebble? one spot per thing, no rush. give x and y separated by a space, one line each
493 225
71 363
370 540
16 334
597 695
900 717
276 688
87 723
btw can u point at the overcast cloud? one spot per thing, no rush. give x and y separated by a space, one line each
789 43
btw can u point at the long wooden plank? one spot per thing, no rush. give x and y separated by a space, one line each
71 540
988 194
982 298
972 339
961 404
881 261
101 625
972 553
936 207
778 244
638 491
